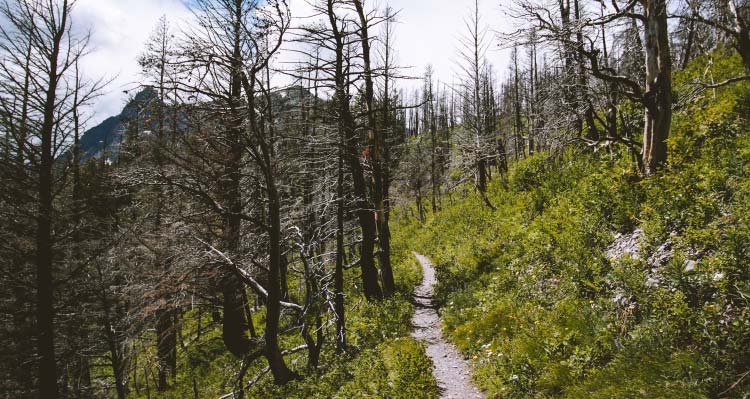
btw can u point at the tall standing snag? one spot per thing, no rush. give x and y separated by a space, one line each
39 54
364 209
655 96
374 148
226 58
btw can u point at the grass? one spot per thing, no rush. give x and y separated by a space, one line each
382 361
529 293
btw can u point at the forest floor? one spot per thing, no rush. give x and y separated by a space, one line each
452 371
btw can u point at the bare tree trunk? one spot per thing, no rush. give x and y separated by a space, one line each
80 365
281 373
476 81
234 325
265 141
517 123
689 45
384 235
166 331
113 343
370 283
532 116
429 123
44 257
742 33
482 170
433 170
743 47
583 93
166 346
338 276
374 147
570 58
658 95
312 313
249 315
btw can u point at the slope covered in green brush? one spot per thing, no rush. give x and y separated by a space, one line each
589 281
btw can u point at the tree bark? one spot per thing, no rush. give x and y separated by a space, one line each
374 148
234 324
265 142
364 209
281 373
44 253
517 122
742 34
166 331
481 164
658 94
113 343
384 233
166 346
338 276
689 45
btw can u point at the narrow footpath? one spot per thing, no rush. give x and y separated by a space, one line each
452 372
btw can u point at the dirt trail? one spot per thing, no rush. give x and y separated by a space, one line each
451 370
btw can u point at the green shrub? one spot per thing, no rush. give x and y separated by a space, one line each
528 293
381 361
396 369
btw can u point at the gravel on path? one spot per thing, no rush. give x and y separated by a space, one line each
452 371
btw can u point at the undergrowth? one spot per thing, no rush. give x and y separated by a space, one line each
530 295
382 361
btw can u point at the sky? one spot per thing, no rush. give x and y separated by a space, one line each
427 33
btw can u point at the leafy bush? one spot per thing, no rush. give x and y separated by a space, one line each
382 362
397 369
529 293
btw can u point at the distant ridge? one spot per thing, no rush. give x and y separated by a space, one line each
106 137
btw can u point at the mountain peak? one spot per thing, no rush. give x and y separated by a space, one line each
107 136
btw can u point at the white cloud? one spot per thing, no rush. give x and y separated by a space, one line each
119 29
427 33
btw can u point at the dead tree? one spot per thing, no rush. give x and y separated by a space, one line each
339 38
655 96
224 59
156 65
472 59
388 138
375 142
39 78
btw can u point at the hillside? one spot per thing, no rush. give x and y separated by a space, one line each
589 281
352 199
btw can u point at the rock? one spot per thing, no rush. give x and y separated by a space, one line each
662 255
626 244
690 265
